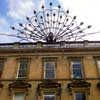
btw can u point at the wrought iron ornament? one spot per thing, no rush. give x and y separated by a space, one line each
51 25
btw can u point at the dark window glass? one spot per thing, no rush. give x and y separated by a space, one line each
77 69
49 70
23 68
1 66
49 97
80 96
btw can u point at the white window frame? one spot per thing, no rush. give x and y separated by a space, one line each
45 69
49 95
98 63
19 69
75 62
98 66
18 92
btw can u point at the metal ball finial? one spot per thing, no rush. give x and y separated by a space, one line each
47 14
67 11
89 26
54 14
81 23
50 3
42 7
20 24
34 12
12 27
74 17
27 18
59 6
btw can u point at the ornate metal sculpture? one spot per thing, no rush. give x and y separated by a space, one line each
51 25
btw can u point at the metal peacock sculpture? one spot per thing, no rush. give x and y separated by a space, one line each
51 25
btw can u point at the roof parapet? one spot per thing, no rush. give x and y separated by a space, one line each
62 44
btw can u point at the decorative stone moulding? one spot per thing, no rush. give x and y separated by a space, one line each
80 85
19 85
49 86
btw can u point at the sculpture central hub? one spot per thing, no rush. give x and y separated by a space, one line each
50 38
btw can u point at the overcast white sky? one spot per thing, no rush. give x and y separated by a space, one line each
88 11
13 11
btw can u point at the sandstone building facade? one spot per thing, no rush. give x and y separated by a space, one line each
42 71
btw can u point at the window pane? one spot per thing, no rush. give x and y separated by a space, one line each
75 65
49 97
49 70
23 68
80 96
77 73
50 74
50 65
1 64
77 69
19 96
